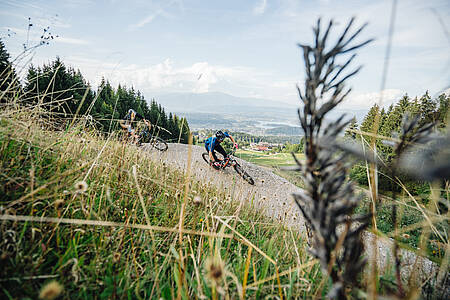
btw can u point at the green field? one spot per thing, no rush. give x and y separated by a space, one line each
268 160
275 162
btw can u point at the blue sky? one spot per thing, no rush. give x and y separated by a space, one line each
243 48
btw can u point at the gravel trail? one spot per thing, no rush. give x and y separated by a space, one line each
272 195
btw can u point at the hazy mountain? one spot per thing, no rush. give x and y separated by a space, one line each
284 130
218 102
222 111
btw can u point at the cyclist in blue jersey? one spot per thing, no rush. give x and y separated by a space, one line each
212 144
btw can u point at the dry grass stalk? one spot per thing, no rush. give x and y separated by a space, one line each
6 217
328 200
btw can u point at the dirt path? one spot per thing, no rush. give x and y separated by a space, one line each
272 195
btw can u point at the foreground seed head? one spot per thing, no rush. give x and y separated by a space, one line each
51 290
215 269
81 186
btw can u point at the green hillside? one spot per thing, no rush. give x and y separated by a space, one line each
103 220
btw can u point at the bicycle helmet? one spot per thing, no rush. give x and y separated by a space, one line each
220 135
130 111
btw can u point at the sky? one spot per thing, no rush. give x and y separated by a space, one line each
242 48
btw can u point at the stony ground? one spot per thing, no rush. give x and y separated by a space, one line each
272 195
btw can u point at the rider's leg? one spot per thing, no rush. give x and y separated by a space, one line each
123 124
214 155
217 161
222 151
133 135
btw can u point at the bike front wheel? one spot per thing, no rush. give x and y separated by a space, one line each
205 156
243 174
158 144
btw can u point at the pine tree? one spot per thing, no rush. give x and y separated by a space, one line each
428 108
443 110
353 126
104 106
369 120
395 115
59 89
9 82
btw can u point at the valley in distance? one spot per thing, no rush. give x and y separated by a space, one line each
258 117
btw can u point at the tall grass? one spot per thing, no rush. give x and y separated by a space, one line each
328 200
103 220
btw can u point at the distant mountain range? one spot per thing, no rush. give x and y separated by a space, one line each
253 115
215 102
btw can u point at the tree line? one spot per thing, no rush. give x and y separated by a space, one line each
427 109
64 93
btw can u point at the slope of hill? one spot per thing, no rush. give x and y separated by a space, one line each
86 216
272 195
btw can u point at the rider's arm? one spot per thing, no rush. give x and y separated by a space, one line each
231 138
123 125
210 150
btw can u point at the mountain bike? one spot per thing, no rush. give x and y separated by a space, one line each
144 136
230 161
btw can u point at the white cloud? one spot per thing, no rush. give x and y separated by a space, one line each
72 41
53 21
357 101
260 8
169 76
284 84
147 19
200 77
11 14
162 77
158 11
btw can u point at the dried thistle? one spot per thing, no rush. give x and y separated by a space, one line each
51 290
58 204
81 186
215 269
328 201
197 201
116 257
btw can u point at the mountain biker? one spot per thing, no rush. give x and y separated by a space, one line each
127 121
212 144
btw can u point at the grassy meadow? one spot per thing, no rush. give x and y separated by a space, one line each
276 160
86 216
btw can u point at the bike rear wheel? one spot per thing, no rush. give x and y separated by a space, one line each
158 143
243 174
